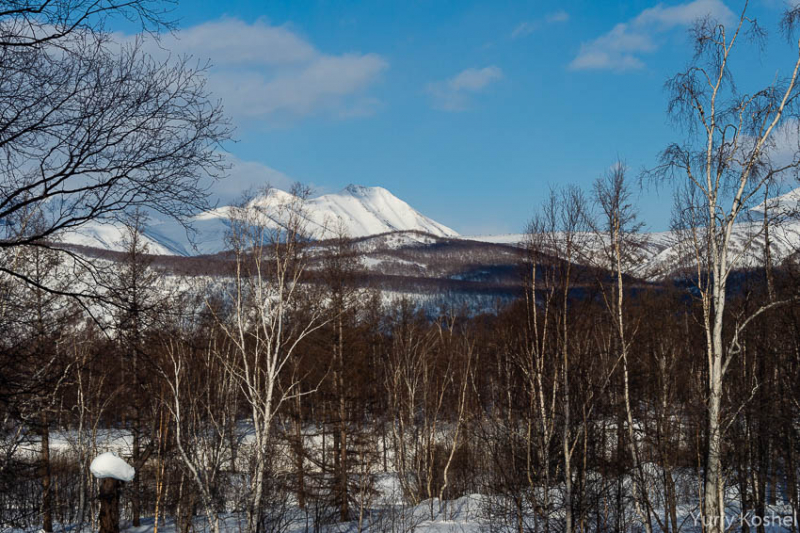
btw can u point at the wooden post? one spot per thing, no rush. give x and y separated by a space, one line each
109 505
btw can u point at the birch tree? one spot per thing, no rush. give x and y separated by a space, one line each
555 241
411 343
535 360
201 402
726 160
617 234
271 312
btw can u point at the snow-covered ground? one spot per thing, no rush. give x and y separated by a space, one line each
463 515
389 512
386 509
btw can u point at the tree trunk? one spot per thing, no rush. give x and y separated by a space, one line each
299 455
713 475
565 440
136 502
109 505
44 472
344 511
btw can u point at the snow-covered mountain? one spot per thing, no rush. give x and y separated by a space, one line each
661 254
358 211
369 211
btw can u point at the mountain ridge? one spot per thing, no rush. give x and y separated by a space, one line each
356 210
360 211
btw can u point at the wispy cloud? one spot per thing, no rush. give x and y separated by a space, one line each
244 176
621 48
525 28
557 16
261 71
529 26
454 94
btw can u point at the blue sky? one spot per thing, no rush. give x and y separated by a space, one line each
469 111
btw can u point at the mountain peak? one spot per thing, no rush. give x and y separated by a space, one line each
354 189
362 191
272 196
359 210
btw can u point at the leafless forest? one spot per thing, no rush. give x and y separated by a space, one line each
281 386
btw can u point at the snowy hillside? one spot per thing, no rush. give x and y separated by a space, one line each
108 236
375 212
662 253
371 210
359 211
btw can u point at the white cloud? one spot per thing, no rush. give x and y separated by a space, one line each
525 28
325 84
246 175
557 16
232 41
620 49
783 148
265 72
473 79
528 27
454 93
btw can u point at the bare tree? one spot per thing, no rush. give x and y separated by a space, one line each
90 129
139 294
462 347
567 217
39 23
541 377
338 271
201 402
619 243
271 312
36 363
410 345
726 160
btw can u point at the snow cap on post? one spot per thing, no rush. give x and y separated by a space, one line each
110 465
